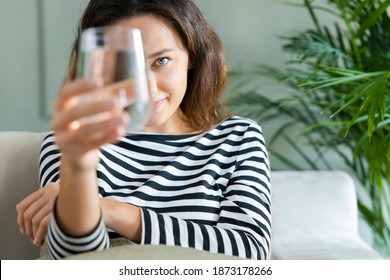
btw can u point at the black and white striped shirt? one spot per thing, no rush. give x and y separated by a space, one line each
209 191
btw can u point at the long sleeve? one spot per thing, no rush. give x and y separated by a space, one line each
61 245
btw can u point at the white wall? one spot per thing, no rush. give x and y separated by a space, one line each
249 28
23 88
19 77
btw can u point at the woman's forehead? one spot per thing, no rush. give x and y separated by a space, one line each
156 32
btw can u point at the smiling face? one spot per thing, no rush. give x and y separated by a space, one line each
168 66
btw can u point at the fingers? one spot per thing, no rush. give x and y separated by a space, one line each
92 135
34 212
71 90
64 118
23 206
96 133
41 230
30 215
85 118
37 218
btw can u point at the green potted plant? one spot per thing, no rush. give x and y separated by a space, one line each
339 82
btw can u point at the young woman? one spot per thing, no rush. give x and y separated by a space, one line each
194 178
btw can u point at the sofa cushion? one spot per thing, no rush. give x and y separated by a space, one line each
313 200
315 244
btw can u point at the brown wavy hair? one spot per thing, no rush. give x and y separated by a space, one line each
202 103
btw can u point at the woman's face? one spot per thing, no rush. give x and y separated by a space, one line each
168 66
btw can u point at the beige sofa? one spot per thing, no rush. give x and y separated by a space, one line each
314 213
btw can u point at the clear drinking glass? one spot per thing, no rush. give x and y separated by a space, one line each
114 58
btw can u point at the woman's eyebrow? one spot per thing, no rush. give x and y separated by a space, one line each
161 52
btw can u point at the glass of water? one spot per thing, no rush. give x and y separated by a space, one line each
114 58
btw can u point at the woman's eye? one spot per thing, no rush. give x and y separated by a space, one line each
161 61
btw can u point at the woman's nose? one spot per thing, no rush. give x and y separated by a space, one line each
152 83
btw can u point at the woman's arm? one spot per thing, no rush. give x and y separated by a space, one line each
77 211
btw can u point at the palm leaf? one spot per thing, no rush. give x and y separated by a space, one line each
373 17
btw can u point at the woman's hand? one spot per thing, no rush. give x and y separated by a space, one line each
34 213
84 118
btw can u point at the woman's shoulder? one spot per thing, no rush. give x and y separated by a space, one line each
239 123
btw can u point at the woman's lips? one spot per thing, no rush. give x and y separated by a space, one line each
158 103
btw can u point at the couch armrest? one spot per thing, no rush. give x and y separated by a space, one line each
18 178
